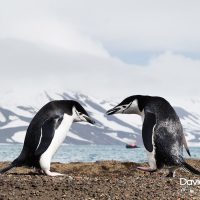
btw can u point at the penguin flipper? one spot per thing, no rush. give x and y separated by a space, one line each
186 146
188 167
48 130
147 130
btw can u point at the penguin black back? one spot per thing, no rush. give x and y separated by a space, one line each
33 134
162 131
42 128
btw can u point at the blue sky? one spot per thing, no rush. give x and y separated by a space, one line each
134 57
142 58
126 46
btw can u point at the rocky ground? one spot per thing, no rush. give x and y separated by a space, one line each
100 180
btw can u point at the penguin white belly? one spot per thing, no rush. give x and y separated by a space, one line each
151 159
151 155
59 136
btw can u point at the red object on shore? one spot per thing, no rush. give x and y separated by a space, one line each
131 146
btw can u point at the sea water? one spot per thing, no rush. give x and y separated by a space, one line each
89 153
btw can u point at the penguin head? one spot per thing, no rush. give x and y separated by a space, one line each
80 114
130 105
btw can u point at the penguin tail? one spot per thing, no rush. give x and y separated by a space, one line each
15 163
2 171
188 151
189 167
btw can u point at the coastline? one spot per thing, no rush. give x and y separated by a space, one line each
99 180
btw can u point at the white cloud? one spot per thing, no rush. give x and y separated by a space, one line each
33 69
65 44
45 28
128 25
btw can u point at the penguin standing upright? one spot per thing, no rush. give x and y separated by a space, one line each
46 133
162 132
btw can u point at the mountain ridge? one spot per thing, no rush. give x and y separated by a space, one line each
116 129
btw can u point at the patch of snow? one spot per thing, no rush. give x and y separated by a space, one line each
124 140
2 117
194 144
15 123
8 140
72 135
19 137
12 118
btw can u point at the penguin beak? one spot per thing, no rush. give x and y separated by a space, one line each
113 111
89 120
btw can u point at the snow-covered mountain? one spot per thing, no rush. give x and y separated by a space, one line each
16 113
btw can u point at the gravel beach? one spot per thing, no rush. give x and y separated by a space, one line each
99 180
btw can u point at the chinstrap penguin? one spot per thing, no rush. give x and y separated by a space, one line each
162 132
46 132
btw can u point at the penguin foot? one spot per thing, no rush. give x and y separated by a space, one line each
39 171
48 173
170 175
146 169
